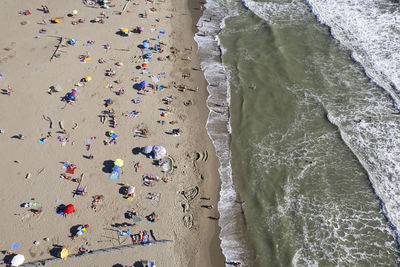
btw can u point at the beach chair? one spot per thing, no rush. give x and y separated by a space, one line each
80 190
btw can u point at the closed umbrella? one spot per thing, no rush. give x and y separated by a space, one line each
17 260
69 209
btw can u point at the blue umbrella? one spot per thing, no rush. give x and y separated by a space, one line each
146 44
113 135
148 55
142 84
116 168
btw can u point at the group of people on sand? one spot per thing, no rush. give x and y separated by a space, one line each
142 237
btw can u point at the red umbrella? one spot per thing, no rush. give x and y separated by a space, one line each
144 65
69 209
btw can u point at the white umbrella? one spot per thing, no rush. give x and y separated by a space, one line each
17 260
131 189
159 152
147 149
156 148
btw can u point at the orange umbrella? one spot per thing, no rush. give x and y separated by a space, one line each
144 65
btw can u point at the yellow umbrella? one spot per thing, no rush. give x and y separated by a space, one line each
88 78
64 253
124 30
56 20
119 163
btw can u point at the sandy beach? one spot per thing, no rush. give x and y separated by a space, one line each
48 133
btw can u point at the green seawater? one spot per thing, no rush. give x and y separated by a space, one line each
306 198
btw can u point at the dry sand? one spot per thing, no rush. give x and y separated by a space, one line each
25 65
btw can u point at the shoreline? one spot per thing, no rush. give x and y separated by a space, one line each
28 70
209 230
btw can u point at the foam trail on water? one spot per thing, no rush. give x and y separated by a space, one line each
371 30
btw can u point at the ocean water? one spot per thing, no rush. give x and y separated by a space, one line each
310 144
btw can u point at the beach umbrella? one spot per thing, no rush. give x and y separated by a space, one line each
80 230
119 162
146 44
17 260
144 65
141 28
56 88
88 78
124 30
147 149
156 149
159 151
64 253
148 55
69 209
142 84
74 12
116 168
131 189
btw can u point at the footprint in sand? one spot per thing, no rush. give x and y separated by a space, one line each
188 220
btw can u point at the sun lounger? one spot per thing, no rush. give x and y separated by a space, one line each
80 190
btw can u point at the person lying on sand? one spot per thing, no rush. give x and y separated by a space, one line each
45 9
9 90
166 179
84 250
